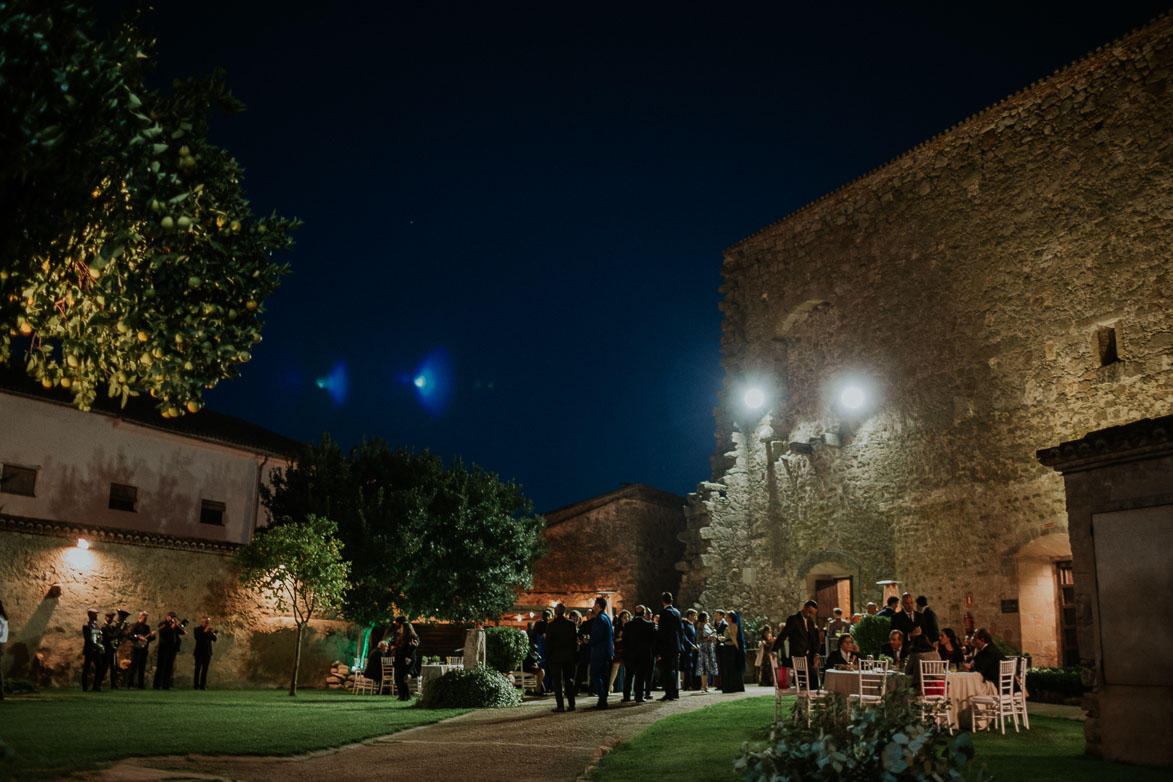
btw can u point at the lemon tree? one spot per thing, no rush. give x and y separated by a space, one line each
131 262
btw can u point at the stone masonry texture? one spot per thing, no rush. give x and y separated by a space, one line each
969 286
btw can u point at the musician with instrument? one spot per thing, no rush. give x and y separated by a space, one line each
204 635
141 634
92 650
170 629
112 634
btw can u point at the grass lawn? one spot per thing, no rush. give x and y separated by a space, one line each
702 745
59 731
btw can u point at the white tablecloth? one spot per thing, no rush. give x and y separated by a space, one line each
962 687
435 671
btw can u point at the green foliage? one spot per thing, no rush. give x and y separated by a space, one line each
425 540
1006 649
1066 682
299 566
888 742
505 648
751 628
871 633
138 266
474 688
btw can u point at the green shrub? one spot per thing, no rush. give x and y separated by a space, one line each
476 688
1006 649
888 742
505 648
1064 682
751 628
871 633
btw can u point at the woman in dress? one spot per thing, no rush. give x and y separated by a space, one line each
765 642
733 679
706 658
950 648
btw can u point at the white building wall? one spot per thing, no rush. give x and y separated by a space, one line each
78 455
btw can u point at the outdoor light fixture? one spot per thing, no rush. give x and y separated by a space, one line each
83 544
852 397
755 398
519 617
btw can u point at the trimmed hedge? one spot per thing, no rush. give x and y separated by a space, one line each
1065 682
871 633
476 688
505 648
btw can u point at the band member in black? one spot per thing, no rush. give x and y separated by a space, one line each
141 636
170 630
92 651
204 635
111 638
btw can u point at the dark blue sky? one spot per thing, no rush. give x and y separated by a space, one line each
543 192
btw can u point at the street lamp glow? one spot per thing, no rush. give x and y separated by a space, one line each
852 397
754 398
420 381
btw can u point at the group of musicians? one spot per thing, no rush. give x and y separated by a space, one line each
100 644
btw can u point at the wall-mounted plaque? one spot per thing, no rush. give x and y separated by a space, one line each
1010 606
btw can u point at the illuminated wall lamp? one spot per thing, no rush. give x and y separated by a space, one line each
83 544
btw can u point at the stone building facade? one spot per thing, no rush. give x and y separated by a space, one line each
1006 285
161 506
622 544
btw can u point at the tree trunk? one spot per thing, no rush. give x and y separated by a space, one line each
296 662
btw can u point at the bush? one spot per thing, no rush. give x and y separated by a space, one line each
475 688
871 633
888 742
505 648
1062 682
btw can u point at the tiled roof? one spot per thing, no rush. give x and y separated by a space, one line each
626 491
1138 440
204 425
65 529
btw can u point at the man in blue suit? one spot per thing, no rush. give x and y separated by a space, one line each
602 651
669 645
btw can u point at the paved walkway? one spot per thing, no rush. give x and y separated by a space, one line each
519 745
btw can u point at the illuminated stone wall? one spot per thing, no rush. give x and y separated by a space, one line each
254 647
968 286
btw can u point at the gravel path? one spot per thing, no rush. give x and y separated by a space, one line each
525 744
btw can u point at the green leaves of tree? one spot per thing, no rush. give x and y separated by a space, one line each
426 540
134 263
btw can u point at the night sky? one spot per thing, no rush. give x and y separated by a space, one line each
523 207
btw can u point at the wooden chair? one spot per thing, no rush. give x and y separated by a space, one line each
528 682
1001 705
363 685
934 693
779 687
388 682
1020 693
808 698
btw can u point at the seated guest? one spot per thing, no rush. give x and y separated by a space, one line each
921 649
533 664
986 660
895 648
844 655
950 647
374 669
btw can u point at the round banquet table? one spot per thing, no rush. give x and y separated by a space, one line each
962 688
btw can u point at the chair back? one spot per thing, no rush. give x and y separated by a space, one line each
1006 671
934 677
388 664
873 683
801 675
1020 678
870 665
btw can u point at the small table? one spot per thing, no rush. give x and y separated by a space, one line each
434 671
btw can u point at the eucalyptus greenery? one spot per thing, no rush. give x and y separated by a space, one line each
886 743
130 261
299 566
475 688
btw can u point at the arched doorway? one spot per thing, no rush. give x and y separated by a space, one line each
1046 610
831 583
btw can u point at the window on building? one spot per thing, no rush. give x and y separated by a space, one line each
123 497
1068 634
18 480
1106 346
212 512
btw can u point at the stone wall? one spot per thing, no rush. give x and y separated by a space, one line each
625 542
157 575
970 287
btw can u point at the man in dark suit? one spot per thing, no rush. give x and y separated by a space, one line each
170 630
374 669
91 648
801 635
987 660
889 610
688 655
844 655
669 643
896 648
907 620
204 636
582 673
928 619
638 640
561 657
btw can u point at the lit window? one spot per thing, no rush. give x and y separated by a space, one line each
18 480
123 497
